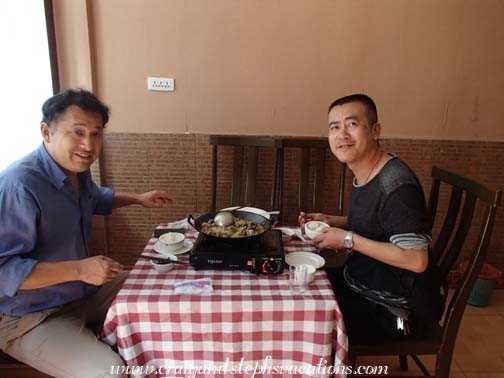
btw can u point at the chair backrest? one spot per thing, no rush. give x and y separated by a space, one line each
311 199
244 169
465 194
243 164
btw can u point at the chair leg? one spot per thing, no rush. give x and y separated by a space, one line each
443 365
403 362
421 366
352 360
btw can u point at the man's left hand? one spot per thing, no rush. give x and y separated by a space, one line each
332 238
155 199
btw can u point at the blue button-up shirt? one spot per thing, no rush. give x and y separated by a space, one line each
43 219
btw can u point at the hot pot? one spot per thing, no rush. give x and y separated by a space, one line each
252 217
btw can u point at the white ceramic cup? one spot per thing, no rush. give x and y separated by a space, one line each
310 272
172 241
297 278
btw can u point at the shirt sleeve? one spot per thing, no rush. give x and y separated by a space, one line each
105 199
18 234
405 212
411 241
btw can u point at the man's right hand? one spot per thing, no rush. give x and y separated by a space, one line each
98 270
95 270
303 218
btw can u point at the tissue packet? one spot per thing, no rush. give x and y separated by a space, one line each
199 286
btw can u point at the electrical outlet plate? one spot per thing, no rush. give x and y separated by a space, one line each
161 84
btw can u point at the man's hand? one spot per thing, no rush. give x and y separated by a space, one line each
303 218
98 270
155 199
94 270
152 199
331 238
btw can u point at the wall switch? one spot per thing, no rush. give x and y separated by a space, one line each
161 84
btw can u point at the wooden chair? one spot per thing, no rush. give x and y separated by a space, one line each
12 368
244 176
316 147
440 340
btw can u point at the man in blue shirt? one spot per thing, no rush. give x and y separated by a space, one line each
49 286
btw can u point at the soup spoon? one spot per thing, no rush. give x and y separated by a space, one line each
291 232
224 219
163 260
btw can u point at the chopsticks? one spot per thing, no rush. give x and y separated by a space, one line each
162 260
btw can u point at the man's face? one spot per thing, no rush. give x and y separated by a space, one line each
351 137
75 139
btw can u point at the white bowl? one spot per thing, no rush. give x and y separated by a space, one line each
164 267
172 241
310 272
314 228
305 258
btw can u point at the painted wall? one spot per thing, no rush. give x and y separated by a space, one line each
272 67
73 44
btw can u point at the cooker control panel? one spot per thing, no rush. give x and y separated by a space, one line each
272 265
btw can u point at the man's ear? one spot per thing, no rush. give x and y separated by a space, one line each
376 131
45 131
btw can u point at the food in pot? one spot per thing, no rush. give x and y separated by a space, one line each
239 229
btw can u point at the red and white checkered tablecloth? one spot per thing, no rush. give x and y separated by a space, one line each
250 322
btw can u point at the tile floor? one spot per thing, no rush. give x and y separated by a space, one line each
479 350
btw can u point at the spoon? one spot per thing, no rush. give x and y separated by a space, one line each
224 219
164 261
291 232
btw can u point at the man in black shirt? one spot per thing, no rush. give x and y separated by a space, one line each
382 289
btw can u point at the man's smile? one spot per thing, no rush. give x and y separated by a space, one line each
84 155
344 146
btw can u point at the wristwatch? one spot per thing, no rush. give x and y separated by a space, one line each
348 242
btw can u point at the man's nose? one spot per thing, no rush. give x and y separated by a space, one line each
343 132
86 143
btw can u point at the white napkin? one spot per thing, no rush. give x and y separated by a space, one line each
199 286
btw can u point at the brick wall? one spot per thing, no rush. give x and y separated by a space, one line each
181 165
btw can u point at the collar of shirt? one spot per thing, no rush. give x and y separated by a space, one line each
54 171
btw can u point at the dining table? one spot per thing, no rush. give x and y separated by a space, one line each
250 325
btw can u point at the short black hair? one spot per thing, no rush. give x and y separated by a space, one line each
367 101
87 101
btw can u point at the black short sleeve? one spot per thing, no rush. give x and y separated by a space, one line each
404 211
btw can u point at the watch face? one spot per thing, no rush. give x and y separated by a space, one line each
348 241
